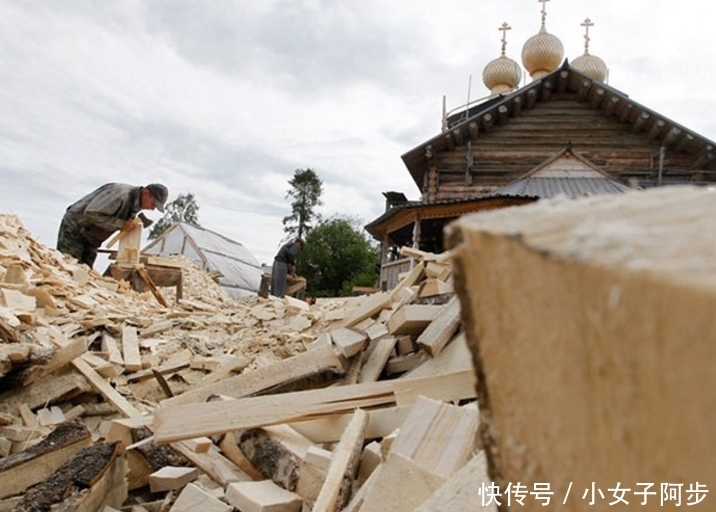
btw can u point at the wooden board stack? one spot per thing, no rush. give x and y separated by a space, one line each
361 403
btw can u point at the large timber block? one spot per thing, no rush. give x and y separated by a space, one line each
592 324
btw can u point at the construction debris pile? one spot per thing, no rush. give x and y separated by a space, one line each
111 401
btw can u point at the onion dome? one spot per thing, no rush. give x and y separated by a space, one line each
503 74
590 65
542 53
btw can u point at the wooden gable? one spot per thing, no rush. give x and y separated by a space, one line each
500 140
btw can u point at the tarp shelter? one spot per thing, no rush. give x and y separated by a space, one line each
239 270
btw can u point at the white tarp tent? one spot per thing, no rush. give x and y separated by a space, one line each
240 271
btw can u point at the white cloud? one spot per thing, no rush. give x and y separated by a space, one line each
225 99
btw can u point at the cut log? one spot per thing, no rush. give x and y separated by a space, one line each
606 306
21 470
272 455
92 479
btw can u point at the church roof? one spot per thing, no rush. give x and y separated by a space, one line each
564 82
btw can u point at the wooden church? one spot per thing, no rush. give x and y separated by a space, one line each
564 133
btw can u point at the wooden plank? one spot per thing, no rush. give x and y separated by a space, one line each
432 287
463 491
220 469
193 420
441 330
413 277
336 490
163 369
194 498
458 385
130 349
438 436
456 356
412 318
329 429
171 477
262 496
348 341
401 486
105 389
172 423
111 348
59 359
290 369
378 355
370 307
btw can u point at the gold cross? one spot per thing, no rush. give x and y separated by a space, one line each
587 23
544 10
504 28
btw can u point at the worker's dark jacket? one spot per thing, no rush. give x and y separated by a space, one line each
102 212
287 253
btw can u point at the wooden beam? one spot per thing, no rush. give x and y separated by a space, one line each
562 81
442 328
672 136
193 498
626 111
583 90
611 105
105 389
336 490
262 496
130 349
597 97
640 122
291 369
656 129
463 491
517 106
473 130
531 99
502 115
488 123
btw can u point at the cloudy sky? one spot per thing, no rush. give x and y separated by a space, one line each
225 99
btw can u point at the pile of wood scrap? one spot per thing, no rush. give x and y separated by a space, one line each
111 401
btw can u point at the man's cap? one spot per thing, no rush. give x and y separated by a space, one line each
160 194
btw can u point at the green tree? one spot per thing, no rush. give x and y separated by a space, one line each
306 189
181 209
338 256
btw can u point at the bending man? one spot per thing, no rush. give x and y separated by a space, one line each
92 219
